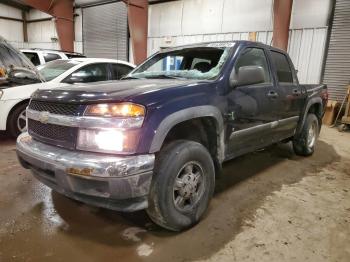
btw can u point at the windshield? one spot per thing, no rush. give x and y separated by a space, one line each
190 63
55 68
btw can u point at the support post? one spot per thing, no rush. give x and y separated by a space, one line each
138 27
62 11
282 10
25 27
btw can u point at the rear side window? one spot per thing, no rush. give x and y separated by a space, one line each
254 57
120 70
50 57
283 69
33 57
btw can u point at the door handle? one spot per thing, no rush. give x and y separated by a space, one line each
272 94
296 92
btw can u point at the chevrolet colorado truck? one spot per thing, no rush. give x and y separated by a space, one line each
156 140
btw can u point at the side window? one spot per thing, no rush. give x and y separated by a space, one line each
254 57
33 57
120 70
283 69
50 57
90 73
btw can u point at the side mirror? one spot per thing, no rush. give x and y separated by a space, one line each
247 75
75 78
23 76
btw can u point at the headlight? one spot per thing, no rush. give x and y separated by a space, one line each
108 140
2 72
122 137
115 110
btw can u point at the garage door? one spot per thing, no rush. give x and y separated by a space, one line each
105 31
337 69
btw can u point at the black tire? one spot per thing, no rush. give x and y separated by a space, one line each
172 161
303 144
12 126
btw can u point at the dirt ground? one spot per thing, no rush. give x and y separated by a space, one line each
269 206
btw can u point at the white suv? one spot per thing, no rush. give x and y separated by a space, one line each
41 56
19 85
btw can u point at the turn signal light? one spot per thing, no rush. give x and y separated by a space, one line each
115 110
2 72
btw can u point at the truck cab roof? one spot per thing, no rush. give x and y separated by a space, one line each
222 44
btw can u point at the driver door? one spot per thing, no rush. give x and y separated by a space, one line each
252 109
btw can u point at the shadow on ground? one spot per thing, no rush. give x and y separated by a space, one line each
246 181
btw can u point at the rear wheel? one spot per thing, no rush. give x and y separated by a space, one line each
182 185
17 120
304 144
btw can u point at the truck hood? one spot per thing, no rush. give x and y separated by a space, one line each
107 91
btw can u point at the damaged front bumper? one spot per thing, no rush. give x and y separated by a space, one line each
113 182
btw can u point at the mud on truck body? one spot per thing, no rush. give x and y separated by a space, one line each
156 140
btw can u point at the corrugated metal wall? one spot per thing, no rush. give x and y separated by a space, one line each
306 47
12 31
105 31
337 69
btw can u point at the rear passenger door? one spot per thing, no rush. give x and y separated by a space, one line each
290 93
119 70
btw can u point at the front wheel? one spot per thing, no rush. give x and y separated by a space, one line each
17 120
182 185
304 144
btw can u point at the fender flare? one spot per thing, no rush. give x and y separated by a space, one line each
311 102
187 114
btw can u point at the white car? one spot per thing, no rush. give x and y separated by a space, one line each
42 56
14 100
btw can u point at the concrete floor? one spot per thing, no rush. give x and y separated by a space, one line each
269 206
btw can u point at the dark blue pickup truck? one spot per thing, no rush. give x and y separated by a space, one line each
157 139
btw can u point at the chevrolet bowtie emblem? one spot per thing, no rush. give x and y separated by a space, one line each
44 117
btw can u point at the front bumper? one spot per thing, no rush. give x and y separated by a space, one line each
113 182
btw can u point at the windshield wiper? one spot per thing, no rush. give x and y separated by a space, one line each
164 77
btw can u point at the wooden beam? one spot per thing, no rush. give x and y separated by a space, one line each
25 27
39 20
11 18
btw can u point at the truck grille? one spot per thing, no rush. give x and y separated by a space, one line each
57 135
54 108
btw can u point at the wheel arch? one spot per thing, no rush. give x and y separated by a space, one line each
313 106
192 116
25 101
